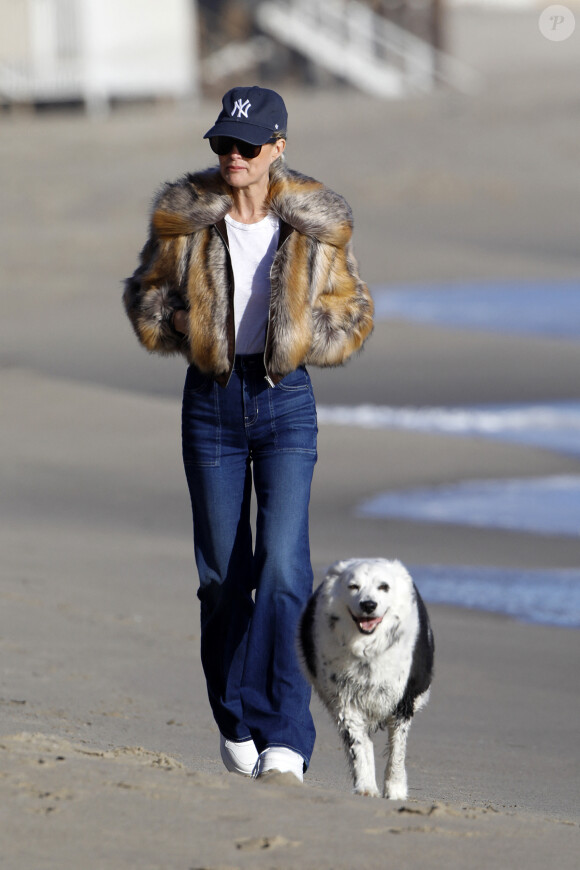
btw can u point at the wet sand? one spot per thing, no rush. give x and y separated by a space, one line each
107 747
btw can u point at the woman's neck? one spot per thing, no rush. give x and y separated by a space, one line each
249 206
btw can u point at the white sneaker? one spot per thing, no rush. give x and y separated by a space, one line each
281 759
238 757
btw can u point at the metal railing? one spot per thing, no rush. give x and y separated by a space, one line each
351 41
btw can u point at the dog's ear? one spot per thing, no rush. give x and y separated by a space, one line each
401 570
337 569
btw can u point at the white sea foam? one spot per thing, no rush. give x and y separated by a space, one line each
548 597
553 426
550 308
544 505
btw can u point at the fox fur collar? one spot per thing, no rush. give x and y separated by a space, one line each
203 199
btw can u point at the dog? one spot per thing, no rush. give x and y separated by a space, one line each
367 648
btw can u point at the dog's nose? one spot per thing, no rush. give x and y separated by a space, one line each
368 606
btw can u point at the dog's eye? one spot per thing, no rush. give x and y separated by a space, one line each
354 587
384 587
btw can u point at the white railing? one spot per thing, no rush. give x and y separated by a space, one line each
236 56
353 42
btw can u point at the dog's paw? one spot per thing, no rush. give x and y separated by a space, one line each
395 791
367 791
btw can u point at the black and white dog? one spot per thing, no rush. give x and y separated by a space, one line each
367 647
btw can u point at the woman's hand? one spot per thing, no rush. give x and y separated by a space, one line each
181 321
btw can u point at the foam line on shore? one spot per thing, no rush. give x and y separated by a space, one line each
545 308
546 597
545 505
549 425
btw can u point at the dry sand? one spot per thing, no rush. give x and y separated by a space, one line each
125 808
108 753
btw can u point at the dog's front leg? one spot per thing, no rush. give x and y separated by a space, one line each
395 786
360 754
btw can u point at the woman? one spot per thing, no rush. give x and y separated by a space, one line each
248 272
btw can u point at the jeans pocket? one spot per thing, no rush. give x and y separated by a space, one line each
200 422
293 415
296 380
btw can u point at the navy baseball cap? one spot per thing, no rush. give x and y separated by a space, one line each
252 114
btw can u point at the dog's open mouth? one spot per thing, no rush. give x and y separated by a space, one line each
367 624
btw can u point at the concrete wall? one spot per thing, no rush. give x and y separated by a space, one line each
97 49
14 30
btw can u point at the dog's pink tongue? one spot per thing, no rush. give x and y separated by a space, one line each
369 624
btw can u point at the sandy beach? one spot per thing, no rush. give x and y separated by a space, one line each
108 752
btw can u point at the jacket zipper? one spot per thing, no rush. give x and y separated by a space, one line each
224 239
280 246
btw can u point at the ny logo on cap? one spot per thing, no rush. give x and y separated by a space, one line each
242 108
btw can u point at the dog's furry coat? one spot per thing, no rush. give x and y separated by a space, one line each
320 310
367 646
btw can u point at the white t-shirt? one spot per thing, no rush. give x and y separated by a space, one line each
252 249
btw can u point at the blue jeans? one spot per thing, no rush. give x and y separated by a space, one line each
252 594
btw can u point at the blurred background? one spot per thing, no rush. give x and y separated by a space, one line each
100 52
63 51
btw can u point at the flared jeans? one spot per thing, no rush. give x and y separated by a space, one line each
252 436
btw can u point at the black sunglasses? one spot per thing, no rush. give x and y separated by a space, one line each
223 145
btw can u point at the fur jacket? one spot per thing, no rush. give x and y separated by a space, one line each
320 310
